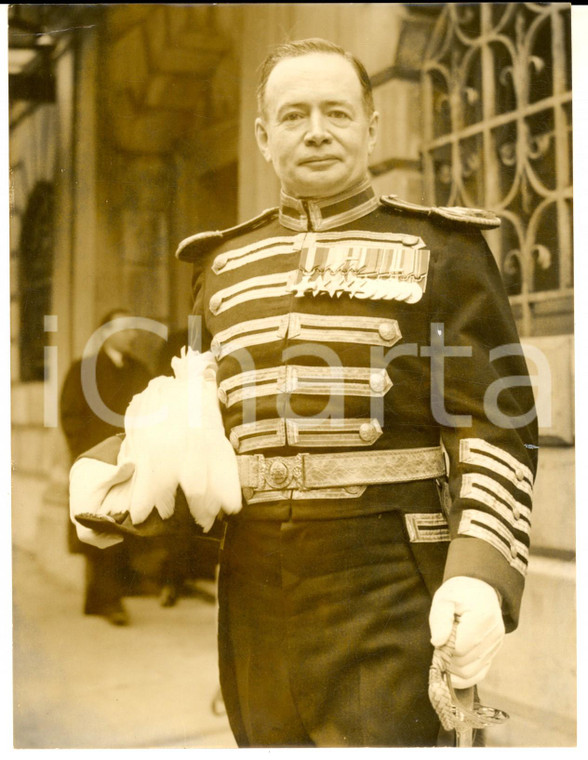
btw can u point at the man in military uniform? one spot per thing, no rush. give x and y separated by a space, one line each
374 390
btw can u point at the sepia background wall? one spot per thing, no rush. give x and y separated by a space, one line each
131 127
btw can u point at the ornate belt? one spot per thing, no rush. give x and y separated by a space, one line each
347 469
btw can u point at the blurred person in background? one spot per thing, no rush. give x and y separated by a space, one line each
119 375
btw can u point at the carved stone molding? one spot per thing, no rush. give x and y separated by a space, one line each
166 71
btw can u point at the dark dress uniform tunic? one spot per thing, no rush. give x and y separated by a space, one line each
357 339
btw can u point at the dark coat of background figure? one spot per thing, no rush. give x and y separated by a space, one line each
107 570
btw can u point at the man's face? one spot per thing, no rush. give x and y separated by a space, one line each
315 129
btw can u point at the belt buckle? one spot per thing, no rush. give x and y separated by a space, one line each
283 472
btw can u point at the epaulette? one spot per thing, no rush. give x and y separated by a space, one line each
476 217
190 248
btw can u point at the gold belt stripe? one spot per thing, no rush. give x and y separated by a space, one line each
305 470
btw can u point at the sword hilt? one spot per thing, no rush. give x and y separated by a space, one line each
458 709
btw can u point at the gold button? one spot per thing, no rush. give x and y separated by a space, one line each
354 490
377 382
215 347
367 432
516 513
519 474
215 303
220 262
209 373
513 551
234 439
387 331
222 396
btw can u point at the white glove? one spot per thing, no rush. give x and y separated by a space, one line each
175 437
97 487
480 629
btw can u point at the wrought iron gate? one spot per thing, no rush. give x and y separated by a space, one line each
498 134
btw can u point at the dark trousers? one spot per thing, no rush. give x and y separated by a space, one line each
323 634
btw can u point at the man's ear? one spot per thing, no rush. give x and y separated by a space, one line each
262 137
373 131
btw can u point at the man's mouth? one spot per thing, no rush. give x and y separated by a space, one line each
319 160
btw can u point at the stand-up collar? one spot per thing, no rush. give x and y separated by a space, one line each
303 215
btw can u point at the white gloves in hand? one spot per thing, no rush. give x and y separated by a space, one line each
480 629
175 437
97 487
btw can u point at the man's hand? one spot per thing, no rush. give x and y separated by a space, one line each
480 629
96 538
92 484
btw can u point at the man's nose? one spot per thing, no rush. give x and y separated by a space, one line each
317 132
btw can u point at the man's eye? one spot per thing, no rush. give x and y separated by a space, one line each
292 116
338 115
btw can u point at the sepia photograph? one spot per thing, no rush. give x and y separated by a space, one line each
292 427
